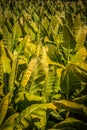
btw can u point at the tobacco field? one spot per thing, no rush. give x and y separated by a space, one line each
43 65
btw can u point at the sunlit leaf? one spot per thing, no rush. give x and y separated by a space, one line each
9 123
77 25
72 106
81 100
28 72
33 24
13 73
5 60
32 97
81 36
80 56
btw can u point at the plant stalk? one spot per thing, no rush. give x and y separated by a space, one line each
68 53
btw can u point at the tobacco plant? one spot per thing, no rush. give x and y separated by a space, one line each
43 65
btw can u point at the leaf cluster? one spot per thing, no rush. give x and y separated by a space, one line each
43 65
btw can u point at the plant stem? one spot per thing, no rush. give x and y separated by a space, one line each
67 94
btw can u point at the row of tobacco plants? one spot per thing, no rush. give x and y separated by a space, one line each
43 65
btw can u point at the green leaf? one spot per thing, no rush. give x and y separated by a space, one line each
81 73
69 20
55 22
77 25
7 128
69 81
32 97
54 57
71 106
44 60
81 100
49 106
28 72
34 26
6 64
63 128
29 47
20 96
1 89
1 75
16 34
45 23
71 123
81 37
5 60
35 113
35 17
69 39
80 56
7 38
9 123
80 65
35 110
13 73
29 30
4 107
56 115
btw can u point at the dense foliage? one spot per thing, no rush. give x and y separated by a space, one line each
43 65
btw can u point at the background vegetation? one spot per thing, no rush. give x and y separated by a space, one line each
43 65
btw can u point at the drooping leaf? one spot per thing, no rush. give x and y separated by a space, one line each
80 56
32 97
56 115
79 69
81 100
4 107
71 106
71 123
33 111
82 75
9 124
50 106
80 65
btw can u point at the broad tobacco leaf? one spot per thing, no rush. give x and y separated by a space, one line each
68 37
